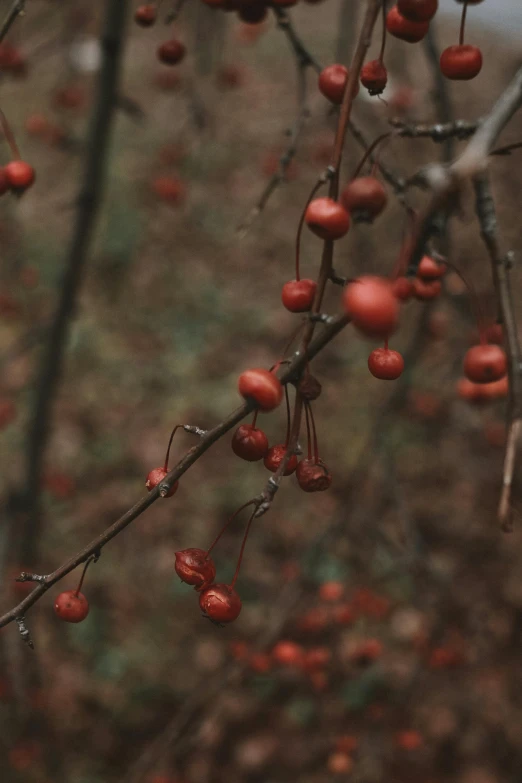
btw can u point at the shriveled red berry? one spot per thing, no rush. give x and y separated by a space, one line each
429 269
403 288
220 603
261 386
71 606
155 477
372 306
195 567
332 82
145 15
313 476
374 77
275 456
327 218
298 295
426 290
365 198
249 443
20 175
400 27
485 363
418 10
461 62
385 364
171 52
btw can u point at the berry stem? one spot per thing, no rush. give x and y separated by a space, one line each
227 523
369 152
86 566
463 22
308 436
242 550
383 44
314 431
287 400
166 465
315 188
254 420
9 136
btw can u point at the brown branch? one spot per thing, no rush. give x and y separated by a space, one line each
501 267
290 375
88 202
439 132
440 92
16 10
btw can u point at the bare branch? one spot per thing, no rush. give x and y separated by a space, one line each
439 132
16 10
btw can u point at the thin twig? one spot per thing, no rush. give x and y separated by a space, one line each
16 10
88 202
440 92
439 132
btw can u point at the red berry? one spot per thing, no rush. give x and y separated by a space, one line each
402 28
372 306
220 603
332 82
195 567
20 175
155 477
427 290
71 606
69 97
249 443
365 198
331 591
403 288
317 658
145 15
385 364
461 62
169 189
485 363
274 458
288 653
327 218
261 386
418 10
298 295
313 476
429 269
171 52
374 77
253 13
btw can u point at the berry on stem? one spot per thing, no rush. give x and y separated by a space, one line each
374 77
313 475
400 27
327 218
261 386
385 364
298 295
418 10
365 198
71 606
485 363
220 603
145 15
275 456
372 306
171 52
195 567
332 82
429 269
461 63
20 175
249 443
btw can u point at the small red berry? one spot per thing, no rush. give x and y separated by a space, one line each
195 567
288 653
317 658
418 10
20 175
169 189
327 218
71 606
429 269
274 458
385 364
372 305
485 363
365 198
220 603
427 290
171 52
403 288
332 82
261 386
400 27
331 591
298 295
374 77
313 476
145 15
461 62
155 477
249 443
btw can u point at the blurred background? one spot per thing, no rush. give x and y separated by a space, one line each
381 625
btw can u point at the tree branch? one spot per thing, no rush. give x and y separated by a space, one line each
16 10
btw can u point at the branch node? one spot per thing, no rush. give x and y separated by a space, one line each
194 430
24 631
